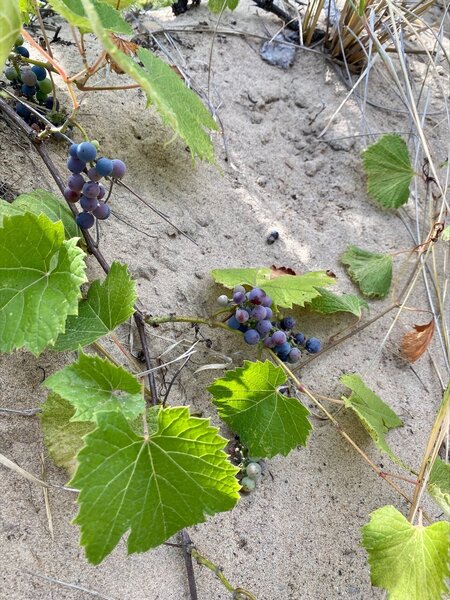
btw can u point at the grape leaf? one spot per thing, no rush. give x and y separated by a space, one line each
371 271
411 562
42 202
389 172
178 106
328 303
73 11
27 8
375 415
154 486
215 6
267 422
108 304
92 384
62 436
446 234
439 485
10 24
285 290
40 278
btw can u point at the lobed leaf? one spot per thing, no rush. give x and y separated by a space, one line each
410 562
10 25
151 486
375 415
63 437
389 171
285 290
40 278
215 6
107 305
267 422
178 106
328 303
439 485
92 384
110 18
42 202
371 271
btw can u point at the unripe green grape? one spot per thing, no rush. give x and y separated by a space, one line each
45 86
96 144
19 41
253 459
41 96
253 470
247 484
11 73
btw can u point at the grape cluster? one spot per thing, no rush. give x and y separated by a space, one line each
90 193
253 315
32 83
252 471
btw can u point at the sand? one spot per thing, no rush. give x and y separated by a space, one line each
297 536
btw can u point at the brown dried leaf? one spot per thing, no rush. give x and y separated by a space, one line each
416 342
128 48
279 271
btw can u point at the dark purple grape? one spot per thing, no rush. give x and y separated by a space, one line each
23 111
287 323
267 301
22 51
294 355
269 313
241 315
284 356
233 323
85 220
279 337
299 338
269 343
76 182
86 152
91 189
243 328
70 195
28 91
119 169
312 345
93 174
263 327
104 166
102 211
49 104
252 337
88 204
238 297
40 72
256 296
284 348
239 288
102 191
73 150
258 313
28 77
75 165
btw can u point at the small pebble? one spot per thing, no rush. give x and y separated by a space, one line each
272 237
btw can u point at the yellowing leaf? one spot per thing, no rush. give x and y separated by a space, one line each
415 343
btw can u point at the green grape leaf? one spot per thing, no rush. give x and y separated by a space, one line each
328 303
109 18
374 414
62 436
107 305
371 271
42 202
92 384
410 562
267 422
439 485
215 6
10 25
40 278
155 486
285 290
27 8
446 234
389 172
178 106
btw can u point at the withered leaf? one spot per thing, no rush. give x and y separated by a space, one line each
279 271
415 343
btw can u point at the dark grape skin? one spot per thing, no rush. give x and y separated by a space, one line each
49 104
256 296
267 301
287 323
76 182
252 337
93 174
86 152
28 91
102 191
28 77
258 313
22 51
233 323
73 150
294 355
102 211
119 169
23 111
70 195
279 337
299 338
263 327
40 72
238 297
283 348
85 220
91 189
104 166
75 165
312 345
88 204
241 315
